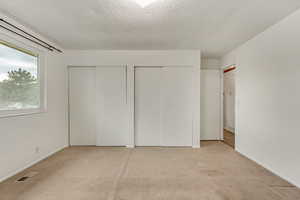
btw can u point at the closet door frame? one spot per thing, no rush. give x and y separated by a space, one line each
130 74
196 100
129 80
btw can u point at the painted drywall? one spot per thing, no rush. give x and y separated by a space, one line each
211 63
229 100
211 99
148 58
229 59
143 58
268 99
24 140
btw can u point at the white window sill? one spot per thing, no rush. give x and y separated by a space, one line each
15 113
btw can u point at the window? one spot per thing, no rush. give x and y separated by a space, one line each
20 80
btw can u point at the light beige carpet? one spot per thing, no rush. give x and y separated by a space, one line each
214 172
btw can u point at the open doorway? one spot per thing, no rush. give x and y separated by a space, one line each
229 105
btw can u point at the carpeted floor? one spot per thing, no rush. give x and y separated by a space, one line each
214 172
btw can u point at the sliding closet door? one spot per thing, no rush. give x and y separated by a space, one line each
147 106
163 106
111 106
177 106
82 106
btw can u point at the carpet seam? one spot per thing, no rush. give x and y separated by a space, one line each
120 175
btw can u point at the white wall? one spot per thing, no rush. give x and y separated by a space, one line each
148 58
229 59
211 99
210 63
21 135
268 99
143 58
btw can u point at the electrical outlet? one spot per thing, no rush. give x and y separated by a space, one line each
37 149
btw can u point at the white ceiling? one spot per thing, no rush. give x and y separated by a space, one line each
214 26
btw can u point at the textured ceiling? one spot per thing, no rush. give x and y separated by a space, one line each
214 26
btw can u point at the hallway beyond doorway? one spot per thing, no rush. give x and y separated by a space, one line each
229 138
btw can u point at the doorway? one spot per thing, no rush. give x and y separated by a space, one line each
229 105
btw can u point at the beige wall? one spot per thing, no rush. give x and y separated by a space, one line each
20 136
268 98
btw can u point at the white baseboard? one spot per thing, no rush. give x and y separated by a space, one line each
31 164
196 147
268 168
130 146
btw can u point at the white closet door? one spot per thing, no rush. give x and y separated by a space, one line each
147 106
82 106
111 106
210 104
177 106
163 106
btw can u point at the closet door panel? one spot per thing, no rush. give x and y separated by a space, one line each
111 106
82 106
177 106
147 107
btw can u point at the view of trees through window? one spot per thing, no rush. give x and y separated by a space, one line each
19 84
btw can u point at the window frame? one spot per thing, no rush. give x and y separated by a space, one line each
41 75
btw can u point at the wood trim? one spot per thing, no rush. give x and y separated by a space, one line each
230 69
23 50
